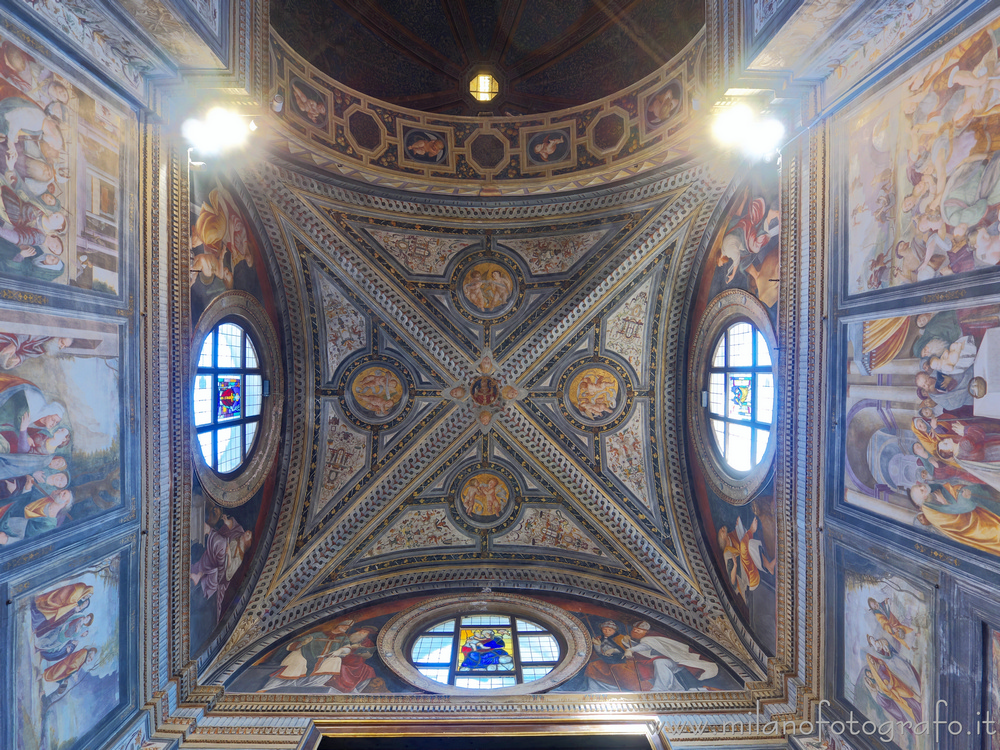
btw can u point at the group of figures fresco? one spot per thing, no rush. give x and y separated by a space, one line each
629 654
638 658
332 658
887 650
59 164
67 656
59 446
933 455
925 172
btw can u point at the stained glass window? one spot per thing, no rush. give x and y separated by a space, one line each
228 397
741 396
482 652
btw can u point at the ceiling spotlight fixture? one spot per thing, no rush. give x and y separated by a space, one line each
483 87
220 131
757 136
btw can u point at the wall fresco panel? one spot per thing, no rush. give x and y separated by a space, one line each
922 194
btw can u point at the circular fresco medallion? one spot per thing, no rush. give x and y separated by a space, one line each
377 392
594 394
488 288
485 390
485 497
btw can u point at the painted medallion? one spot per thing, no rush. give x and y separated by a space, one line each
549 147
593 394
485 496
426 146
488 289
377 392
664 104
485 390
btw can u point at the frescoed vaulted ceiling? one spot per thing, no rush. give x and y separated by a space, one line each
492 403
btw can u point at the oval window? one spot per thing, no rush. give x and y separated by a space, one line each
484 652
741 396
228 395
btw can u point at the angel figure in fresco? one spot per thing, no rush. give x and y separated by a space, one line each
484 496
888 621
222 238
496 289
744 556
430 147
311 108
378 390
548 146
751 234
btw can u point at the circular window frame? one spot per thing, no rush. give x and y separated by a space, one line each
397 637
729 307
235 488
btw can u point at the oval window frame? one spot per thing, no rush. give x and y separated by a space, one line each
235 488
396 639
731 306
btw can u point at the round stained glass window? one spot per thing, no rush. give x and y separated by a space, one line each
741 396
228 396
485 652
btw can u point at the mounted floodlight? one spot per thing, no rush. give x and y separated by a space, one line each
756 136
221 130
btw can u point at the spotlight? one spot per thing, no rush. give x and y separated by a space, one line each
221 130
756 136
731 123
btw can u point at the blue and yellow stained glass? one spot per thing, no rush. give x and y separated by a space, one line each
485 649
740 396
230 401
